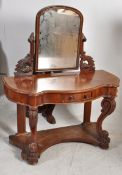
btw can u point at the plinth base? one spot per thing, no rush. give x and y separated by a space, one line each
86 133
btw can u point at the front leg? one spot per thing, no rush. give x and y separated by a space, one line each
21 119
108 106
30 152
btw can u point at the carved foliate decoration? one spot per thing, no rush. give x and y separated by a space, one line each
108 106
30 153
104 139
87 63
25 65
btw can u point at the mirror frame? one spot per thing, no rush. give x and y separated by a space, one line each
37 36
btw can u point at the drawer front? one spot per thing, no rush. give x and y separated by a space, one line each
65 97
69 98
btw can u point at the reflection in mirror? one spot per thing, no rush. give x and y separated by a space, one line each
58 47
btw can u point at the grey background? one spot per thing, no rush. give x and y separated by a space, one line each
103 29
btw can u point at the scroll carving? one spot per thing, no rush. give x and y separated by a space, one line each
108 106
25 65
87 63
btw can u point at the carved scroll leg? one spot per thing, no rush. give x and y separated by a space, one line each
87 112
47 111
31 152
108 106
21 119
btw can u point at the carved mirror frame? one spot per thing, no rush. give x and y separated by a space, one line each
37 37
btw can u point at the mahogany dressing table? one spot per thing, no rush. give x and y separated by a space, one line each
46 78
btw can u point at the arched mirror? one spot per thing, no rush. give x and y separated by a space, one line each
58 38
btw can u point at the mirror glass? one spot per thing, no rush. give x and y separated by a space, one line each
58 40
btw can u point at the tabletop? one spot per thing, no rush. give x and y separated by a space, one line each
57 82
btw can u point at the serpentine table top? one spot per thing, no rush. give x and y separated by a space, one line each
58 88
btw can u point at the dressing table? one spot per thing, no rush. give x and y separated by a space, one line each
58 71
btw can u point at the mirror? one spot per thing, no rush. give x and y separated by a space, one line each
58 46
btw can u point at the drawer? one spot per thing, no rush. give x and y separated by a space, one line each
69 98
66 97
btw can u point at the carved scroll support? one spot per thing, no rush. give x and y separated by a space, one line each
108 106
30 152
86 63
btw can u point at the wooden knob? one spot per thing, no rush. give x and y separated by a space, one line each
71 98
85 96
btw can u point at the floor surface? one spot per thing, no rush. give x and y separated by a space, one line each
65 158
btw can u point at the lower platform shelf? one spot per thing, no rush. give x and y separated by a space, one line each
46 138
31 149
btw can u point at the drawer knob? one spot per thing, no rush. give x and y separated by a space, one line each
85 96
71 98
